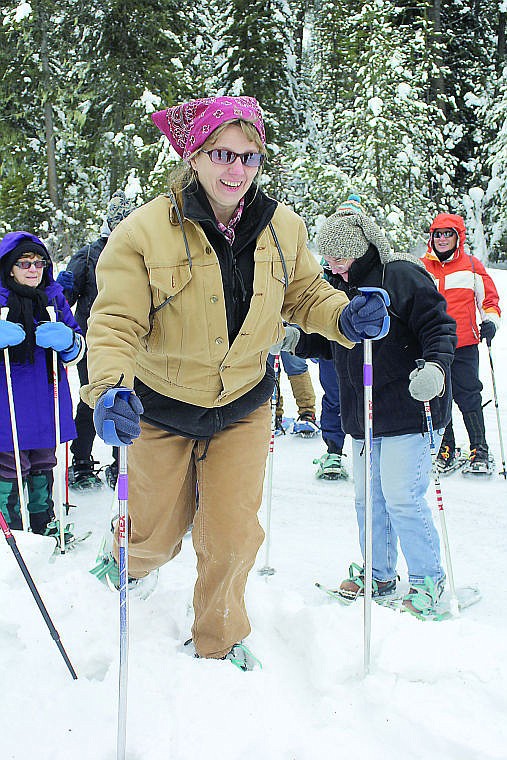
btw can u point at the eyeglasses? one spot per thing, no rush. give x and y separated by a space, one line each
443 233
222 156
25 264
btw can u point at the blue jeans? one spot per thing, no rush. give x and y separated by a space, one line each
330 418
401 468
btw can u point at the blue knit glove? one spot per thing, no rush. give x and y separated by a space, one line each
66 280
488 330
363 317
11 334
125 415
55 335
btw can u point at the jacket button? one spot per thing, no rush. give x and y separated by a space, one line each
207 250
219 340
213 299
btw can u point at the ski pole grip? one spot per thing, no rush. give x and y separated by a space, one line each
419 363
368 291
109 429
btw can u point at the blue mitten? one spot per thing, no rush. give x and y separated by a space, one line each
66 280
488 330
124 413
76 351
363 317
11 334
55 335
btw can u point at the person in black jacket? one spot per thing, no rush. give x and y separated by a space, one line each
80 287
359 255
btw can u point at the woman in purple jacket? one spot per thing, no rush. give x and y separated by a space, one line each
28 293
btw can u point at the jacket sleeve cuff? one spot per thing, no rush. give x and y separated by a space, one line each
76 352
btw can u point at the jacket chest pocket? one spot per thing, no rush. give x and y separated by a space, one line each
166 282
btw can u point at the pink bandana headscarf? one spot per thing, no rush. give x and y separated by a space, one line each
189 125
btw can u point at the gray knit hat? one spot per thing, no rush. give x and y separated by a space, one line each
347 234
117 209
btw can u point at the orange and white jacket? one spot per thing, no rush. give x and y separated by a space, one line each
464 283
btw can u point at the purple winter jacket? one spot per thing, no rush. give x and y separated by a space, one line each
32 392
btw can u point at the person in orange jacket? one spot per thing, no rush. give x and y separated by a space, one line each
468 289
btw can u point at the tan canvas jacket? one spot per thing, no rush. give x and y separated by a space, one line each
182 350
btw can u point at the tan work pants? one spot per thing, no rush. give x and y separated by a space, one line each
163 471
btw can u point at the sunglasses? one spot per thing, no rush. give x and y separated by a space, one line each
25 264
222 156
443 233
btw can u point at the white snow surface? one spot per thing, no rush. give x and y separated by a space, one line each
435 690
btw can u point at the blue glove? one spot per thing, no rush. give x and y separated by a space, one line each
55 335
124 413
66 280
10 333
488 330
363 317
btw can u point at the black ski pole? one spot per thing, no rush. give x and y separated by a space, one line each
31 585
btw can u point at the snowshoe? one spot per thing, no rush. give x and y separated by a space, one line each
353 586
480 462
82 476
283 424
53 530
422 600
449 461
331 467
306 426
107 571
240 656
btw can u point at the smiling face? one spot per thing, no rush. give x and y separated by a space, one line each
226 184
32 276
444 239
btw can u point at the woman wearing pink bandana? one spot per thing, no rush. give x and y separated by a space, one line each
193 288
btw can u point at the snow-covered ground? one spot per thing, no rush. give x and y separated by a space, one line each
435 690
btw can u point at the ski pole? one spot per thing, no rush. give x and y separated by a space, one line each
267 569
31 585
58 447
454 603
368 472
111 438
503 470
14 429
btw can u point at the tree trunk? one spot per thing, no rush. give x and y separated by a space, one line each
500 48
48 113
438 82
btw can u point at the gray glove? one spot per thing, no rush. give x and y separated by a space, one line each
289 343
426 382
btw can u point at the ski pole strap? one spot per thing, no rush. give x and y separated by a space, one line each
368 291
109 429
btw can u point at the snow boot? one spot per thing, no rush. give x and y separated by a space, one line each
82 475
9 503
40 503
304 394
479 462
353 586
331 467
422 600
449 460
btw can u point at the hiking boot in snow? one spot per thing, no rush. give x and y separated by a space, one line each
111 474
353 586
479 462
422 600
82 475
331 467
449 459
306 426
240 656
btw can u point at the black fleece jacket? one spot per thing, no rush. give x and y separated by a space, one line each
420 329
